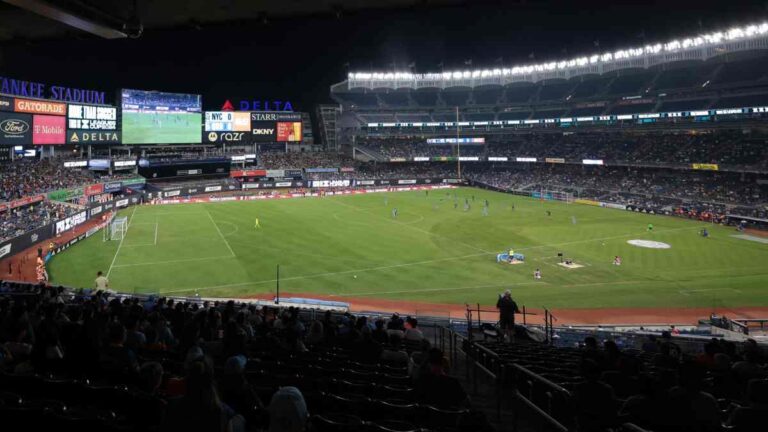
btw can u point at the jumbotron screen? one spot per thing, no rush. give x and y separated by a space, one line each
151 117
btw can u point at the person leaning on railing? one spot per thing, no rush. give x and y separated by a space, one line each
507 310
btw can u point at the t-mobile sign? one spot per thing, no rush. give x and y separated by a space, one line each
49 129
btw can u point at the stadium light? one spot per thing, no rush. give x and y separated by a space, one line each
714 38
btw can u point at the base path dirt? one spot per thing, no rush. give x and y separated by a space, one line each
21 267
597 316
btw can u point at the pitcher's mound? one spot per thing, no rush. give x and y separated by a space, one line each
570 266
649 244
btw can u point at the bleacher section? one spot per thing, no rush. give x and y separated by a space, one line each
345 375
721 82
657 386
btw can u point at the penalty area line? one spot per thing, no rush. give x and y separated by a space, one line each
220 234
174 261
125 234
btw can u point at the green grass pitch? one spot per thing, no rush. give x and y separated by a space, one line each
140 128
352 246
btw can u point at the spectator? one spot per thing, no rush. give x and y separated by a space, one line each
436 387
379 334
200 408
690 407
752 418
236 391
288 411
596 404
394 354
412 333
507 310
115 356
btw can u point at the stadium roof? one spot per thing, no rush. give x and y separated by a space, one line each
39 19
695 47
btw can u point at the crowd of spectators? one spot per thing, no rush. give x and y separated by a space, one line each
28 177
299 160
643 187
210 366
15 222
726 147
658 386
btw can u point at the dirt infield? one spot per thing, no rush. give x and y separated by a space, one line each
634 316
22 265
756 232
23 269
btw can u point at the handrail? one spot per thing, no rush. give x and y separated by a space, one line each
548 418
541 379
631 427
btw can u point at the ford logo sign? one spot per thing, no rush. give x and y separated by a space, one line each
14 126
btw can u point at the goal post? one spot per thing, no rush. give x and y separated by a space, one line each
553 195
116 229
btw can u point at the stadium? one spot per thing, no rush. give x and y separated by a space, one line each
577 243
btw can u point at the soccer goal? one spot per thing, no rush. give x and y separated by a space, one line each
553 195
116 229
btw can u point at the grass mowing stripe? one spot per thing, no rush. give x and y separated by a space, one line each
407 225
326 274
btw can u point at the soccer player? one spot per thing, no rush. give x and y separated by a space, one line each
650 227
617 260
257 225
573 220
537 274
704 233
394 213
455 205
485 211
466 206
549 213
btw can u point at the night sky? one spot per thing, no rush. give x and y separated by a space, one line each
298 58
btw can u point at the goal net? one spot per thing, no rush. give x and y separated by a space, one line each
553 195
116 229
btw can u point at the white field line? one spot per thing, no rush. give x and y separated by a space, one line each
206 288
125 234
174 261
220 234
688 292
310 276
437 289
172 214
155 233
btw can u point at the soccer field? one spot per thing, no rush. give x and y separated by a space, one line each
181 128
351 246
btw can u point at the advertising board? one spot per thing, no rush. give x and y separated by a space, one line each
47 129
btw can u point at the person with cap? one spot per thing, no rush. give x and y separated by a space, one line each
235 389
507 310
288 411
200 408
